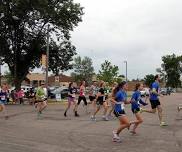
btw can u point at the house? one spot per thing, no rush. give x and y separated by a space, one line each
34 79
61 80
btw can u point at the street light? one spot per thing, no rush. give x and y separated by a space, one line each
126 70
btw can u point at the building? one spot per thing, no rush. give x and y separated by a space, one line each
61 80
34 79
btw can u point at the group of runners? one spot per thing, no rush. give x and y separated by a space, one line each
112 100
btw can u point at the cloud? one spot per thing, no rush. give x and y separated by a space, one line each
139 31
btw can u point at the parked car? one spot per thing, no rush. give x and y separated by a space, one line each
61 90
163 91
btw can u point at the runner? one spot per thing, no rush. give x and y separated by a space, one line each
92 94
110 99
3 98
154 100
80 98
135 106
41 99
71 97
120 99
101 101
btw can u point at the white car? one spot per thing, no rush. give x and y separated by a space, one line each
145 92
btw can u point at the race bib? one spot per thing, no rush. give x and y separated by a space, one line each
3 97
122 106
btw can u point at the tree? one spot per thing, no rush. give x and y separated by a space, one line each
108 73
83 69
172 68
149 79
23 33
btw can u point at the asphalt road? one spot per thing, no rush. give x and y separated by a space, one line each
23 132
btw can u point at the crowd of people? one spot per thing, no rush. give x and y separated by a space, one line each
111 99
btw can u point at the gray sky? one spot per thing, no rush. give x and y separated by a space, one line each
139 31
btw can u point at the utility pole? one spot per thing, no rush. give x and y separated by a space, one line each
47 57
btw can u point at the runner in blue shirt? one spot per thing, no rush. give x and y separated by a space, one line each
120 99
154 100
3 98
137 101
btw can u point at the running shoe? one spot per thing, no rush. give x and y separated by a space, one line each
110 117
76 114
163 124
133 132
179 108
6 117
65 114
105 118
39 115
116 138
93 118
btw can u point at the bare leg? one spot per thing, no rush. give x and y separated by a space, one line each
159 109
124 123
137 122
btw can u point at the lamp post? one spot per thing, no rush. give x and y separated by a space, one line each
126 70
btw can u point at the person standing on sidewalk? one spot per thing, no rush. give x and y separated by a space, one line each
41 99
3 98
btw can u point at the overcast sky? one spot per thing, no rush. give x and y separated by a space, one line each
139 31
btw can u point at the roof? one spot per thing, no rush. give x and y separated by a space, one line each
61 78
36 77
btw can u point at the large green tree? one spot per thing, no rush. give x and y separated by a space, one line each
149 79
23 32
172 70
83 69
108 72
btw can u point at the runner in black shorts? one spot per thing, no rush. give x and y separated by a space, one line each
101 101
80 98
93 93
154 100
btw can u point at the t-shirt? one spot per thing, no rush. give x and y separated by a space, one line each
40 94
82 91
120 97
102 96
3 95
136 97
101 90
72 92
93 90
155 86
